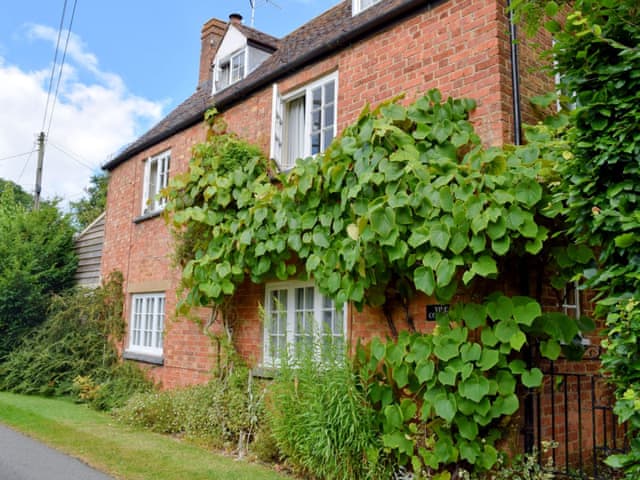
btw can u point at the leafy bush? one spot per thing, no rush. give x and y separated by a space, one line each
224 413
322 422
37 261
73 351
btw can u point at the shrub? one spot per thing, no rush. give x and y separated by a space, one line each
72 353
224 413
321 420
37 261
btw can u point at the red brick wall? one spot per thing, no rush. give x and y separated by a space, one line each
458 46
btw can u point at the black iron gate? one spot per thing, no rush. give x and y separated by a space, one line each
573 411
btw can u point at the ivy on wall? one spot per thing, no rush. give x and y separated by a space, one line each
406 200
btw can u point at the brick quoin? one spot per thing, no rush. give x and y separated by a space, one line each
460 47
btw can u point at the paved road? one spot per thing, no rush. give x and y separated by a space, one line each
22 458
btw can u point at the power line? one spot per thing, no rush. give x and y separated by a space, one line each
25 166
64 56
55 62
16 156
73 157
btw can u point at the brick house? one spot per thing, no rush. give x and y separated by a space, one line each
291 96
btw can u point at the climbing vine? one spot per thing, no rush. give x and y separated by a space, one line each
406 200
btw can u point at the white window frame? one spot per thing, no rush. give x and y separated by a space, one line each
279 123
290 335
571 309
235 74
358 6
146 324
155 181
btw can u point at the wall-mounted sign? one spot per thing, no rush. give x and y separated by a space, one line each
435 309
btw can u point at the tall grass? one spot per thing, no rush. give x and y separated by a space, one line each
321 420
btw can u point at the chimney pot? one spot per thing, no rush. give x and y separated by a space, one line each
235 19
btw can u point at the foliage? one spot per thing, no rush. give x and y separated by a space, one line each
213 207
19 195
444 398
224 413
37 261
597 58
86 210
622 362
73 351
321 420
405 200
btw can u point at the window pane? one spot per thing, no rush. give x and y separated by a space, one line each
315 120
329 92
327 137
237 67
315 144
316 98
328 116
153 178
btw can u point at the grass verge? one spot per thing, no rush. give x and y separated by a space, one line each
123 452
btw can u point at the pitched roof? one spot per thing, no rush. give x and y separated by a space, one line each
257 37
324 35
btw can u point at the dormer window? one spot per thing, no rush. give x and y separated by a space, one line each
360 5
241 51
230 70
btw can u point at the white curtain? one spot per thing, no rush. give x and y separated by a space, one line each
294 132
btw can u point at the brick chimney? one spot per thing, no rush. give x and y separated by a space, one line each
212 33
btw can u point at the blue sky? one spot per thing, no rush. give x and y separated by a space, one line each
129 62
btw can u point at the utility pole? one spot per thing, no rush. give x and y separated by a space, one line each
36 198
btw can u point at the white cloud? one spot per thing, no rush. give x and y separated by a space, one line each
94 116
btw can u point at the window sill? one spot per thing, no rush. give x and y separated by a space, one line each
147 216
143 357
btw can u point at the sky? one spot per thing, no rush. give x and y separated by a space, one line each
128 63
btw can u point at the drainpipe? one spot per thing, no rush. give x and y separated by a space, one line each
515 79
528 428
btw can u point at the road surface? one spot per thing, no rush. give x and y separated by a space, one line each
22 458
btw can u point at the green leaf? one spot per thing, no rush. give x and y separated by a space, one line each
320 238
550 349
446 350
448 376
445 407
475 388
488 359
626 240
470 352
532 378
506 382
501 245
424 370
383 221
401 375
505 330
500 308
468 428
526 313
439 236
444 272
528 192
474 315
484 266
398 441
518 340
424 280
